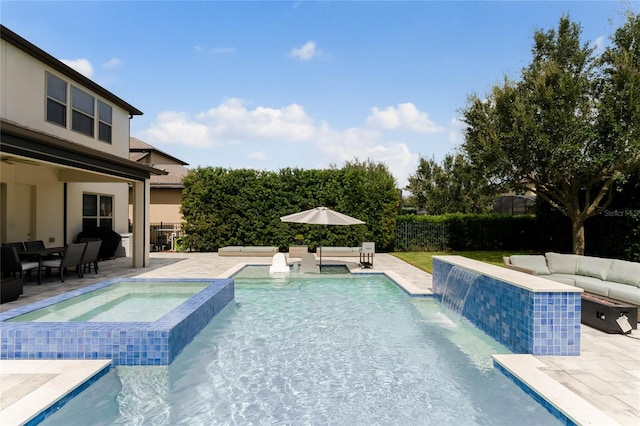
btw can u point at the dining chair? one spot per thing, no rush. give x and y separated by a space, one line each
91 256
34 245
11 263
72 256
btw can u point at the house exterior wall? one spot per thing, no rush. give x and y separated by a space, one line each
120 193
164 205
24 101
47 197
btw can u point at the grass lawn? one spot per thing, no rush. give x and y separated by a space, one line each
424 261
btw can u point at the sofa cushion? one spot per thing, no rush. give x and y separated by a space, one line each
624 292
592 285
595 267
621 271
562 263
568 279
536 263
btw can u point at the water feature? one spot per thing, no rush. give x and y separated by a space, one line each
333 349
457 287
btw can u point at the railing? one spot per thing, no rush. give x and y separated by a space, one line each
422 236
162 235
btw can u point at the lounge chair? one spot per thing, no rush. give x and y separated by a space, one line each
308 264
72 257
279 264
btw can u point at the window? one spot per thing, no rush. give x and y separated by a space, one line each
97 210
82 111
56 100
104 122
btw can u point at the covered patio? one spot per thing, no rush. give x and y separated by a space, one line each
43 181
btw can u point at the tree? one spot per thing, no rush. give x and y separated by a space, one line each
451 187
561 130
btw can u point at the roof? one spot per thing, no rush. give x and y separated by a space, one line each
173 178
34 51
31 143
137 146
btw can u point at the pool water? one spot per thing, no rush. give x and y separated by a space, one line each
120 302
325 350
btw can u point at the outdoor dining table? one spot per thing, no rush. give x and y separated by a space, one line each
41 254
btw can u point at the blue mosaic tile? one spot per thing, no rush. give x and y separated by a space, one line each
538 323
132 343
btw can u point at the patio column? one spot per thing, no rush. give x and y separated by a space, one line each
141 224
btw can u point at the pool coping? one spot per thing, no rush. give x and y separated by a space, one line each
67 378
524 370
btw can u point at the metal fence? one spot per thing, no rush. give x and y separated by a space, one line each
163 235
421 236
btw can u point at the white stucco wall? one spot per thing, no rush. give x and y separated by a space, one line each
23 85
120 193
47 206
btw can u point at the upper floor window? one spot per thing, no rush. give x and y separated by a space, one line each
82 111
56 100
104 122
89 116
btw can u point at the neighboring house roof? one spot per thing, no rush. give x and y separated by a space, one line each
141 152
173 178
31 49
138 146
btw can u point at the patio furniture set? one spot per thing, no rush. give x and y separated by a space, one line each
21 259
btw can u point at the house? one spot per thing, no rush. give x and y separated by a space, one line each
64 151
165 192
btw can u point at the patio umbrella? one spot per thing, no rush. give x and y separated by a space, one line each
321 216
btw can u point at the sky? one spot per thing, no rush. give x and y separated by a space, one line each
301 84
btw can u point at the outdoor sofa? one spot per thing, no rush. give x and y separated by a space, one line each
247 251
339 251
617 279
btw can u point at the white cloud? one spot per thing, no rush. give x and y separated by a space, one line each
260 132
258 155
306 52
171 127
405 117
598 45
456 131
361 143
113 63
232 119
83 66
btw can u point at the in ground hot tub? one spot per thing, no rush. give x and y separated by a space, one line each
131 321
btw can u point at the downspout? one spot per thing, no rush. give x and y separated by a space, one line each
145 246
64 215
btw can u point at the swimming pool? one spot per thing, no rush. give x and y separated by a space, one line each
97 322
126 301
324 350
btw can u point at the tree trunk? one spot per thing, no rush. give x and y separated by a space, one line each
577 232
